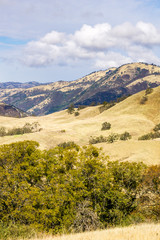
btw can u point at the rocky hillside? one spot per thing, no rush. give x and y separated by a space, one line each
96 87
11 111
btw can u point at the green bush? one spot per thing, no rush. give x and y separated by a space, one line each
76 114
149 136
27 128
112 137
106 126
157 127
143 100
106 106
67 144
125 136
15 231
71 109
100 139
81 107
63 131
148 91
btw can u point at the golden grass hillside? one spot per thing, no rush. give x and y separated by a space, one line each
135 232
128 115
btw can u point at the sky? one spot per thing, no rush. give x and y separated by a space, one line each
52 40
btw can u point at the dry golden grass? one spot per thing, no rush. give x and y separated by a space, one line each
135 232
128 116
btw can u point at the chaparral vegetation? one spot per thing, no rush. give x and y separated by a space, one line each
72 189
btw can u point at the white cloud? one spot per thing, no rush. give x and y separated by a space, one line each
97 37
112 59
101 44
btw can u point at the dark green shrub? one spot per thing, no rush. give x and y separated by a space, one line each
149 136
106 106
143 100
81 107
27 128
67 144
63 131
106 126
124 136
112 137
145 137
157 127
71 109
76 114
16 231
148 91
100 139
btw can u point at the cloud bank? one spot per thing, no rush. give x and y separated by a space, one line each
101 44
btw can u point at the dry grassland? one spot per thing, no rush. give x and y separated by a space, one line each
128 116
138 232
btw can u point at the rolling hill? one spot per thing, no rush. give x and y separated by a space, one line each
96 87
128 115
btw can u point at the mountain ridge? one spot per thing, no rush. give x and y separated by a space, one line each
97 87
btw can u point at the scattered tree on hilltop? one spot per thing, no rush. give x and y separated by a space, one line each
71 109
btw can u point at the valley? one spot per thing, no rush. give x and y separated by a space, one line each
128 115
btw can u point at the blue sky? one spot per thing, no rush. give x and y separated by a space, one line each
51 40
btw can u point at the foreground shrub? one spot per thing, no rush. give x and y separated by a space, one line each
70 189
16 231
149 199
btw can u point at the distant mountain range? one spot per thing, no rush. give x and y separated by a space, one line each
11 85
97 87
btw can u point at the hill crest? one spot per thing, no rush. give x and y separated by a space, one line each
97 87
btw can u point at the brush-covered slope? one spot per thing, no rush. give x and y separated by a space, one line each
128 115
11 111
45 99
96 87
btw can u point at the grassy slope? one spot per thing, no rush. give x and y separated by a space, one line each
138 232
128 115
